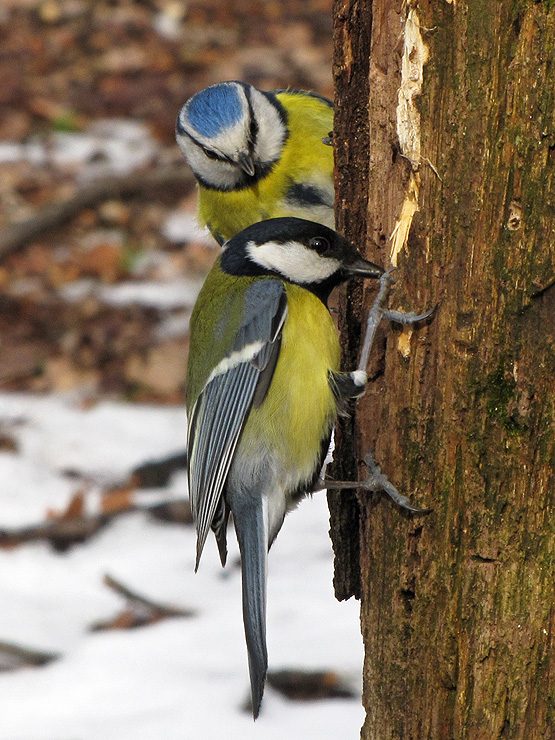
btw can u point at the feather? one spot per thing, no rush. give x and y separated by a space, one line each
220 412
251 528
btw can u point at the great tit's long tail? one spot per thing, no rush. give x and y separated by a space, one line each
250 527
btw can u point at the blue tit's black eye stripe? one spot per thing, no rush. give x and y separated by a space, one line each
211 154
271 96
253 131
253 123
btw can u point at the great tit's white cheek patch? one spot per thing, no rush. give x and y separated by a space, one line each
293 260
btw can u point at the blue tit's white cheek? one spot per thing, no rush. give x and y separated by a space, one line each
293 260
215 172
272 131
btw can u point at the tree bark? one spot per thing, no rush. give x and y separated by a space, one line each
351 115
457 609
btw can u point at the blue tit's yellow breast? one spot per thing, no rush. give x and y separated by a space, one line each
304 160
299 409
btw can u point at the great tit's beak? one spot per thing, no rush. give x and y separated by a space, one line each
246 163
363 268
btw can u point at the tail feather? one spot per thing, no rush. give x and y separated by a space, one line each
219 525
253 543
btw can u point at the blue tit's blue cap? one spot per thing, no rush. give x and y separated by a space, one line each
214 109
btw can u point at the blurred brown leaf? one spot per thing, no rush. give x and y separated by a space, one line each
139 610
8 443
102 261
306 685
117 499
75 509
162 368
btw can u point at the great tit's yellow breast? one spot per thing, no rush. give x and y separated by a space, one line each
299 409
304 160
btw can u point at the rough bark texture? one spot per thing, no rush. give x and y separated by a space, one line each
458 609
351 114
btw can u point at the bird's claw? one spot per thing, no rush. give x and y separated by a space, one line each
408 318
377 481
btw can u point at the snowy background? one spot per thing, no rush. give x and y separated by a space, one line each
94 318
179 678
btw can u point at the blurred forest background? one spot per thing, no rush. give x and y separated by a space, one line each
89 93
100 264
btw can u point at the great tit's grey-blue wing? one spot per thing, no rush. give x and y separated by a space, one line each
240 380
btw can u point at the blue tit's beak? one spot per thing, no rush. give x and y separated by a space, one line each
363 268
246 163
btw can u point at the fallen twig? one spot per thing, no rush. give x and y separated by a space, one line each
139 610
14 656
18 235
62 533
132 596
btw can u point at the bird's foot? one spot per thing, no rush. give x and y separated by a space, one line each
375 481
379 312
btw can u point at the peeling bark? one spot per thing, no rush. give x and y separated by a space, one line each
458 609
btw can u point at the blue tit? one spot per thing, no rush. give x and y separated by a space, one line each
263 393
258 155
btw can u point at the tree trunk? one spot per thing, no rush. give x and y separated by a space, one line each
457 608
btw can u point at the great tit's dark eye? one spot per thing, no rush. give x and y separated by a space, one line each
319 244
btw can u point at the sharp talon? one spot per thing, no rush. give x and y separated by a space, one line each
408 318
377 481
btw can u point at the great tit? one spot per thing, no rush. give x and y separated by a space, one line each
263 392
258 155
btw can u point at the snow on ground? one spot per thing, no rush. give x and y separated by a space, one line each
162 294
108 145
182 679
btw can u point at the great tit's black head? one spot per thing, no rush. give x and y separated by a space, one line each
300 251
